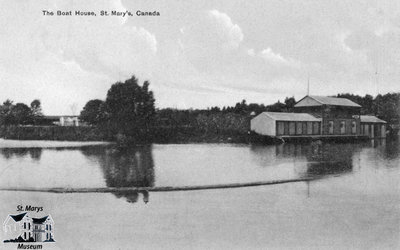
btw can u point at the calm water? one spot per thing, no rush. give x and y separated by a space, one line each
189 164
353 202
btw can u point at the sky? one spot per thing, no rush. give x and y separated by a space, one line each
198 54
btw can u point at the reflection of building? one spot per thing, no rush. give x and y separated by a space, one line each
319 116
322 159
315 160
23 228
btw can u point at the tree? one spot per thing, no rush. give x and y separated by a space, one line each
131 109
93 112
36 110
6 117
290 102
21 114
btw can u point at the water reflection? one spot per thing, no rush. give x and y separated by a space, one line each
389 149
310 160
34 153
133 167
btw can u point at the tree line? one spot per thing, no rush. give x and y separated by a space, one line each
20 113
129 114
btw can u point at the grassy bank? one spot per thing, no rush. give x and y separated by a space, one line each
162 135
53 133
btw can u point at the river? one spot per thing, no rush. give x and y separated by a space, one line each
350 199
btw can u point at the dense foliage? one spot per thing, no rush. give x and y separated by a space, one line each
20 113
127 114
94 112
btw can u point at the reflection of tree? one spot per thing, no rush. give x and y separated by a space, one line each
131 167
34 153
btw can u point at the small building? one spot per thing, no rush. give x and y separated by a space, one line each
21 227
285 124
340 116
61 120
372 126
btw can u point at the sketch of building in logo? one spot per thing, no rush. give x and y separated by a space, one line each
23 228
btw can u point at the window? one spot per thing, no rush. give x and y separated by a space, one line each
299 128
342 127
315 128
292 128
353 127
281 129
309 128
24 225
330 127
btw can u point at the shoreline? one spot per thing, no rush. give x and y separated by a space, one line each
11 143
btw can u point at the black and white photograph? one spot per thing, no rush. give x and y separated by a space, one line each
199 124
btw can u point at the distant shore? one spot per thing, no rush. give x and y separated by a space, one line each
59 136
161 135
5 143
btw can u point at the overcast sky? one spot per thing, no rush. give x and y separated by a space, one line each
198 53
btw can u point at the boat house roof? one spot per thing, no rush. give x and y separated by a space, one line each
308 101
301 117
371 119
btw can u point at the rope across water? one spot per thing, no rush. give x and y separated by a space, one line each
157 189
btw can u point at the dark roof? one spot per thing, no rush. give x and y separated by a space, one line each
371 118
39 220
325 100
18 217
280 116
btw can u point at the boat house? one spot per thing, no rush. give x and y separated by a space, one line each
320 116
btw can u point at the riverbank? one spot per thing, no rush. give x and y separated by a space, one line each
52 133
47 144
159 135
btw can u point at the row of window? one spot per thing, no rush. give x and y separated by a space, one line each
29 235
342 127
28 226
298 128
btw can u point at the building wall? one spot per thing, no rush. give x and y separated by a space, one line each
284 128
69 121
337 128
373 130
263 125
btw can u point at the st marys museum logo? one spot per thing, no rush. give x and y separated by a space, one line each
23 228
